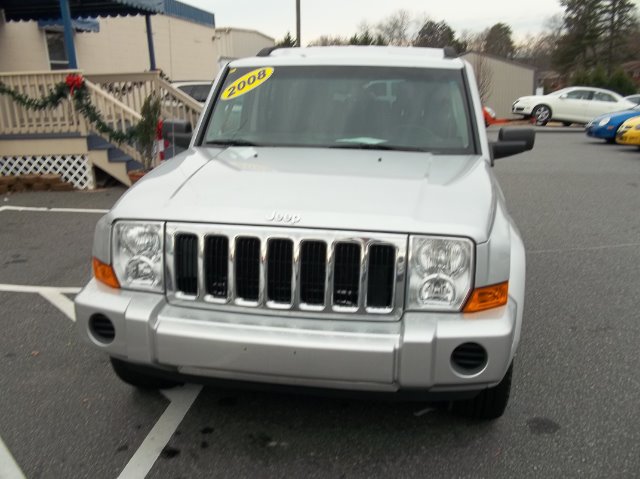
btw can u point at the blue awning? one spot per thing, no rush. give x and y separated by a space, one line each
50 9
79 24
15 10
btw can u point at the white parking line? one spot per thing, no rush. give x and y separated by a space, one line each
9 468
150 449
145 457
52 210
24 288
61 302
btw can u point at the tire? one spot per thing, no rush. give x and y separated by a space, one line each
610 141
134 376
490 403
542 114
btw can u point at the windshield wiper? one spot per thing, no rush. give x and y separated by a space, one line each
376 146
231 142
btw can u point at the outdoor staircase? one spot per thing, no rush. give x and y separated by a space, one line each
61 141
110 159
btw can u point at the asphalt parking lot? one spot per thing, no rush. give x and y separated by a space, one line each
574 410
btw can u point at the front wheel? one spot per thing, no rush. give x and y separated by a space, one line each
542 114
490 403
134 376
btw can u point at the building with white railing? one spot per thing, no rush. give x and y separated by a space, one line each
125 51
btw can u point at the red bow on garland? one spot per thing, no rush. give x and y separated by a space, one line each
74 81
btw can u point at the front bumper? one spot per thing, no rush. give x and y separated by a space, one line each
525 110
411 354
628 137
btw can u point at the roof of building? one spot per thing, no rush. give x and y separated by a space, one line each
500 59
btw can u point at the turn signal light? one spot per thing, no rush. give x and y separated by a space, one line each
104 273
488 297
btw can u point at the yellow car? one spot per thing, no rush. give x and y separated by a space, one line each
629 132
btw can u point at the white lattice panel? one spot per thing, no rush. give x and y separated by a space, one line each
74 169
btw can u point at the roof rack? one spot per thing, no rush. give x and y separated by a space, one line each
265 52
450 52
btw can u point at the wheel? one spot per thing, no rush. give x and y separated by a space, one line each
566 123
542 114
490 403
134 375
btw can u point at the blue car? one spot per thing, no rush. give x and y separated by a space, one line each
606 126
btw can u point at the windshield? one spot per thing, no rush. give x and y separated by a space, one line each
414 109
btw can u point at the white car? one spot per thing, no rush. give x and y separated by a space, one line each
633 98
198 90
570 105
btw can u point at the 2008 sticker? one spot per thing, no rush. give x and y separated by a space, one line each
246 83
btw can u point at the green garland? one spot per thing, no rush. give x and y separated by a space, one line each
52 100
74 86
82 103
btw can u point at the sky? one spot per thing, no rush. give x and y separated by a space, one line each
342 17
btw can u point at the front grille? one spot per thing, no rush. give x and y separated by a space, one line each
313 271
247 272
187 264
279 270
216 254
346 282
382 258
347 274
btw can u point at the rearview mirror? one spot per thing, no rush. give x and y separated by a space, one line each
512 141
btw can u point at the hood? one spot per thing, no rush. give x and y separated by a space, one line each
530 98
617 116
381 191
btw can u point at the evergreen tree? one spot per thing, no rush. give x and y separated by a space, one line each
287 41
582 24
499 42
437 35
618 23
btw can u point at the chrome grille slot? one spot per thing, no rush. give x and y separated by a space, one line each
286 271
216 267
186 259
247 268
382 259
346 274
279 270
313 272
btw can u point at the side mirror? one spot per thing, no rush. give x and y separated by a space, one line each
563 96
512 141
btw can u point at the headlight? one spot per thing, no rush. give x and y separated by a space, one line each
440 273
604 121
137 255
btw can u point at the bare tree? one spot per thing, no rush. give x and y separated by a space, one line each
328 40
396 29
472 41
483 74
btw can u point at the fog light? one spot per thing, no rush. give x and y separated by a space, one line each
437 289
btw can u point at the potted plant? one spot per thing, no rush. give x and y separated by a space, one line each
146 131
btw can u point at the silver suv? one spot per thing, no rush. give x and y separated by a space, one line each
317 234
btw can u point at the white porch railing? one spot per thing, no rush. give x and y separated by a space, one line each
133 88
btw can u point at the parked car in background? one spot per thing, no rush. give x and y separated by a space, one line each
629 132
198 90
570 105
633 98
606 126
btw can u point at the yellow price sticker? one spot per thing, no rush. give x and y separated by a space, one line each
246 83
